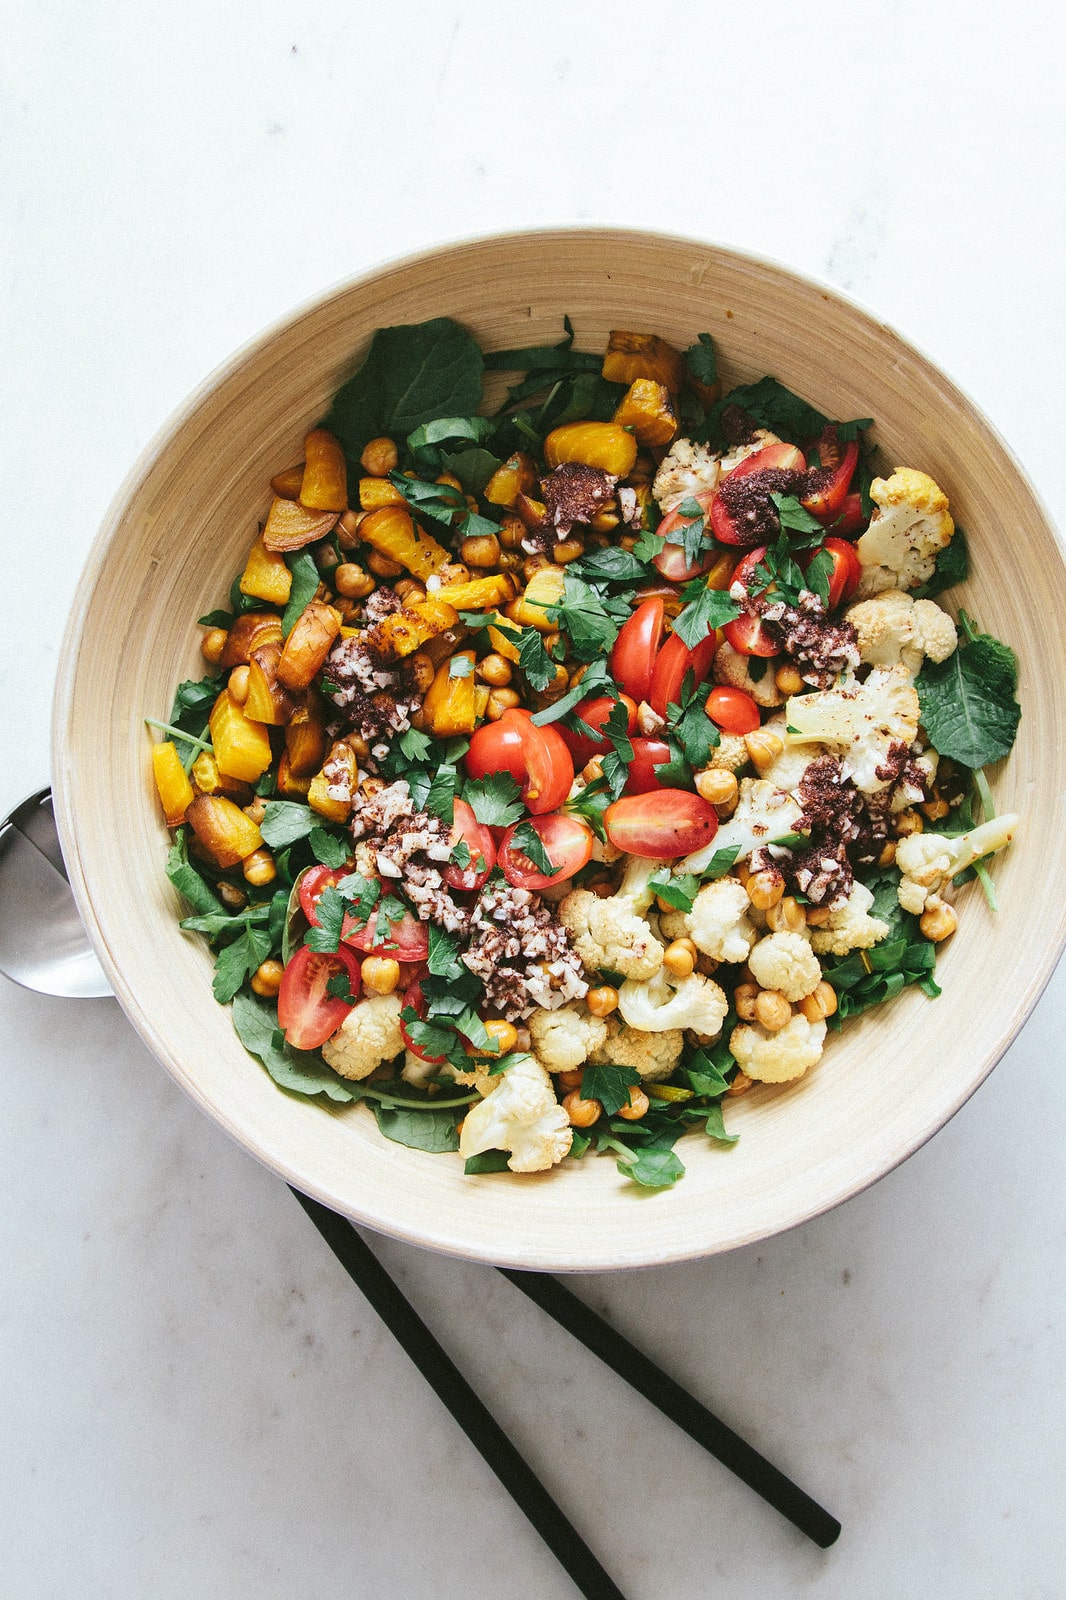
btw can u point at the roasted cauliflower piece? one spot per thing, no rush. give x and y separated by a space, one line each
910 524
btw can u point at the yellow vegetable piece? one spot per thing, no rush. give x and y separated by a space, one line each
287 484
242 747
308 644
518 475
325 479
250 631
477 595
171 779
595 444
406 631
265 576
455 705
305 738
289 785
392 532
648 410
289 525
223 829
207 779
643 355
503 639
377 492
545 588
268 701
318 796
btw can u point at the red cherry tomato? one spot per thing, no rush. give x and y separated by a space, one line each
827 498
313 882
567 841
673 664
479 842
595 712
664 823
745 569
634 651
647 755
847 571
733 710
749 636
851 519
308 1014
414 997
672 561
771 458
406 939
537 758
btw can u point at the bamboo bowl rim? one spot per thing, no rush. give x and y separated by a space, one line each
527 1222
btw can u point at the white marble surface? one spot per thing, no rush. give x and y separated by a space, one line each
195 1400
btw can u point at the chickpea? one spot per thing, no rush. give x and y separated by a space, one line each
602 1001
482 550
512 532
454 572
237 684
212 644
231 896
326 559
740 1084
638 1105
603 889
379 458
348 529
820 1003
706 964
787 916
495 670
568 550
501 700
582 1113
505 1035
266 979
908 822
772 1010
256 810
679 960
763 748
817 916
523 1038
628 541
935 809
938 922
765 889
381 974
788 680
744 998
718 785
408 589
423 670
347 610
357 745
571 1079
888 854
383 566
352 582
259 868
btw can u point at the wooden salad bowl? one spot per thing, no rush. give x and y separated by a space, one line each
180 528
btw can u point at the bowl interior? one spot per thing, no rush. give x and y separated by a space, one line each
180 528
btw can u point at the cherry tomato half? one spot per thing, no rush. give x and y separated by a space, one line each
847 571
826 499
308 1014
595 712
771 458
479 842
407 939
414 997
537 758
312 884
567 841
672 561
673 664
750 636
851 519
634 651
746 568
733 710
664 823
648 753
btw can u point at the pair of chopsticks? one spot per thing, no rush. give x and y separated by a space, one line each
480 1427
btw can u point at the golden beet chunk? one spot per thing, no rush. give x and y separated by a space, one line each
290 525
222 828
241 746
208 780
172 782
265 576
325 480
250 631
287 484
594 444
308 644
643 355
377 492
268 700
477 595
408 630
545 588
392 532
518 475
648 411
455 703
305 737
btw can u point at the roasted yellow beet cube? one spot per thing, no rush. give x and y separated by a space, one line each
324 486
477 595
392 532
268 701
377 492
545 588
643 355
407 630
595 444
308 644
265 576
518 475
241 746
287 484
455 704
290 525
172 781
648 410
305 737
222 828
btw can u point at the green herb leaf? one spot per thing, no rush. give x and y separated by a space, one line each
721 862
441 429
472 467
440 796
496 800
458 667
597 677
968 703
528 842
715 1126
612 564
327 848
305 581
655 1168
300 1071
609 1085
285 821
187 881
952 567
679 892
534 660
216 619
419 1129
704 610
615 762
795 518
590 619
331 909
238 961
444 954
701 361
412 374
487 1161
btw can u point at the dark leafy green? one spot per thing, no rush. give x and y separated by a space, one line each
300 1071
495 800
418 1129
609 1085
188 882
285 821
968 703
952 567
413 374
305 580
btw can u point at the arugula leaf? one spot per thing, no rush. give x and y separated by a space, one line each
609 1085
612 564
679 892
237 961
704 610
534 660
300 1071
327 848
968 703
285 821
419 1129
487 1161
701 361
952 567
615 762
187 881
331 910
412 374
305 580
715 1126
528 841
496 800
654 1168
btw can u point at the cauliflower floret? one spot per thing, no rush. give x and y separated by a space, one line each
850 927
927 859
666 1002
369 1035
863 720
740 452
785 962
894 630
731 668
911 523
612 934
521 1115
688 469
730 752
565 1038
777 1057
764 813
653 1055
718 922
417 1071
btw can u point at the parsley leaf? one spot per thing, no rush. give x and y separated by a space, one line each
440 796
362 894
968 703
590 803
704 610
612 564
793 517
330 909
496 800
615 762
609 1085
460 855
528 842
590 619
679 892
952 567
701 361
721 862
691 725
597 677
534 660
305 580
443 956
285 821
327 848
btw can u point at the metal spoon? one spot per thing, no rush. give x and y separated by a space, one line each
43 943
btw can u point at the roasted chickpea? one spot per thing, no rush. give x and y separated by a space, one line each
501 700
820 1003
383 566
423 670
495 670
938 922
504 1033
259 868
582 1113
638 1105
212 644
350 581
744 998
568 550
481 550
571 1079
908 822
740 1085
788 680
348 529
454 572
512 532
718 785
679 958
237 684
787 916
765 889
256 809
266 979
379 458
381 974
408 589
603 1000
772 1010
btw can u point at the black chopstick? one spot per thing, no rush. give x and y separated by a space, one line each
525 1488
674 1402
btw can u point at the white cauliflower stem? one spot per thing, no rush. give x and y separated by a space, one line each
764 813
926 860
665 1002
612 934
910 524
777 1057
785 962
894 630
563 1039
850 927
369 1035
521 1115
862 720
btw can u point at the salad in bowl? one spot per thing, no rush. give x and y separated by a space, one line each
571 762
